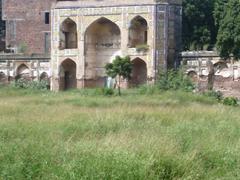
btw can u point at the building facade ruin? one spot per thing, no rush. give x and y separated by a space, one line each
87 34
226 72
31 68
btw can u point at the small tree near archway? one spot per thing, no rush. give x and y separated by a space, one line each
121 67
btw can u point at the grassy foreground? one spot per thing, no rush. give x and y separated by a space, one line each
71 135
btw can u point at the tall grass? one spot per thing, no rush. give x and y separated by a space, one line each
76 135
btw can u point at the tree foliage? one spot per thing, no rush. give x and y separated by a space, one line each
121 67
199 30
209 23
227 15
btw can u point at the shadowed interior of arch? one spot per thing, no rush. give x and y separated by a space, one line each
220 66
138 32
102 41
68 35
139 72
3 78
23 72
193 75
44 77
68 75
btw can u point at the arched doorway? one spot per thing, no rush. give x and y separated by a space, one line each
138 32
139 72
23 72
68 75
102 41
68 35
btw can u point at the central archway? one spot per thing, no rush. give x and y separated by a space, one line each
102 42
139 72
68 75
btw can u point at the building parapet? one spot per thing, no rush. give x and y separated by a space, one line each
20 57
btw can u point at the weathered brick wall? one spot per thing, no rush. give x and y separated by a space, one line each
36 65
227 73
2 30
25 23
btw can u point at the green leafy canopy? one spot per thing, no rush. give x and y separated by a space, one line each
121 66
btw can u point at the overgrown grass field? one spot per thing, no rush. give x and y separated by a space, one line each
81 135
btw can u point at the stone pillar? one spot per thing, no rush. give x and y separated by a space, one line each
124 34
81 65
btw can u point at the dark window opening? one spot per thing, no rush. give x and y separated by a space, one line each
47 17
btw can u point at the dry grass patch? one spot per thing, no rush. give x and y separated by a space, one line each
173 135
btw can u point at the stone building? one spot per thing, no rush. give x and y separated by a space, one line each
28 25
87 34
16 66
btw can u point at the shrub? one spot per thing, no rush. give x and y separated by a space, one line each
22 47
26 84
20 83
107 91
174 80
142 48
148 89
215 94
230 101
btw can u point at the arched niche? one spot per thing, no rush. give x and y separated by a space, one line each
193 75
68 75
23 72
68 35
139 72
138 32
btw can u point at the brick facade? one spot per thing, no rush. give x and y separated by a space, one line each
2 30
25 25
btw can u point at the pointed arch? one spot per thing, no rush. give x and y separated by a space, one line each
68 35
68 75
193 75
138 32
220 65
44 76
23 72
102 20
139 72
